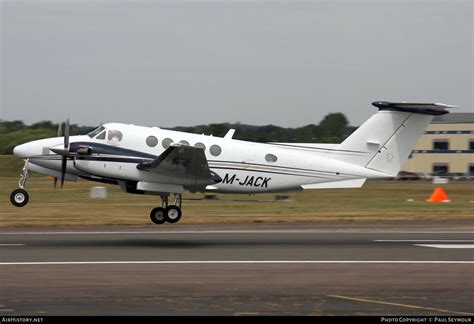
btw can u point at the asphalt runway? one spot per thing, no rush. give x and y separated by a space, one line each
423 268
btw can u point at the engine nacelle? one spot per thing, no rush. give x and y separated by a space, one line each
86 150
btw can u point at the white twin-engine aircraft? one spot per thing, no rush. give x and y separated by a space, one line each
150 160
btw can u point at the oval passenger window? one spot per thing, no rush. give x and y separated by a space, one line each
151 141
215 150
200 145
271 158
166 142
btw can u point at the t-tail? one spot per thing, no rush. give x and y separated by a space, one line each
388 137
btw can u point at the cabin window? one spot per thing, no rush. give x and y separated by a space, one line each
101 136
200 145
471 144
184 142
271 158
114 136
166 142
151 141
215 150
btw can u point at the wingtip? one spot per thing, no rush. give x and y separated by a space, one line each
445 105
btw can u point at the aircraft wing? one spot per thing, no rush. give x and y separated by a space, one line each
186 165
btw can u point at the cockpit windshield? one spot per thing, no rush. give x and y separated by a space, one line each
96 131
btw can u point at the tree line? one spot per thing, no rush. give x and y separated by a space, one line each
332 129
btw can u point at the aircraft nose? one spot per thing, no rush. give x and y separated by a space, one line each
21 151
35 148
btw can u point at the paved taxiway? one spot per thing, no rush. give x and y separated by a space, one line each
299 269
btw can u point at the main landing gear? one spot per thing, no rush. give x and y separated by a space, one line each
20 197
167 213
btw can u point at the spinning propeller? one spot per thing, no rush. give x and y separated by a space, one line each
64 151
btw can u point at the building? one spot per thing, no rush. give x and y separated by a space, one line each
446 147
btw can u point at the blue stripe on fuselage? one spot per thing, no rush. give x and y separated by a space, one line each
109 149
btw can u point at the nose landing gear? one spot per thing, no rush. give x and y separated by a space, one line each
19 197
167 213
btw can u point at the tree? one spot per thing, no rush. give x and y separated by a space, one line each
332 128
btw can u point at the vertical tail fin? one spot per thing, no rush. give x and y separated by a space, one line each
389 136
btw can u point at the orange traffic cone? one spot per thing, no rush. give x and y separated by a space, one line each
438 195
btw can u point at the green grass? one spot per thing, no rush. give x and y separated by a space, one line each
377 200
10 166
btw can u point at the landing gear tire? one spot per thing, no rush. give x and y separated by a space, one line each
19 198
157 215
172 214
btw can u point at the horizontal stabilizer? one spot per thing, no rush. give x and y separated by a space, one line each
356 183
414 107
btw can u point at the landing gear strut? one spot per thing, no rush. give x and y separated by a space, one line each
167 213
20 197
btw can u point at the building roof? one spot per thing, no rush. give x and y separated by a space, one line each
454 118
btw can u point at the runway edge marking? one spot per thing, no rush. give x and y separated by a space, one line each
399 305
236 232
447 246
434 240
